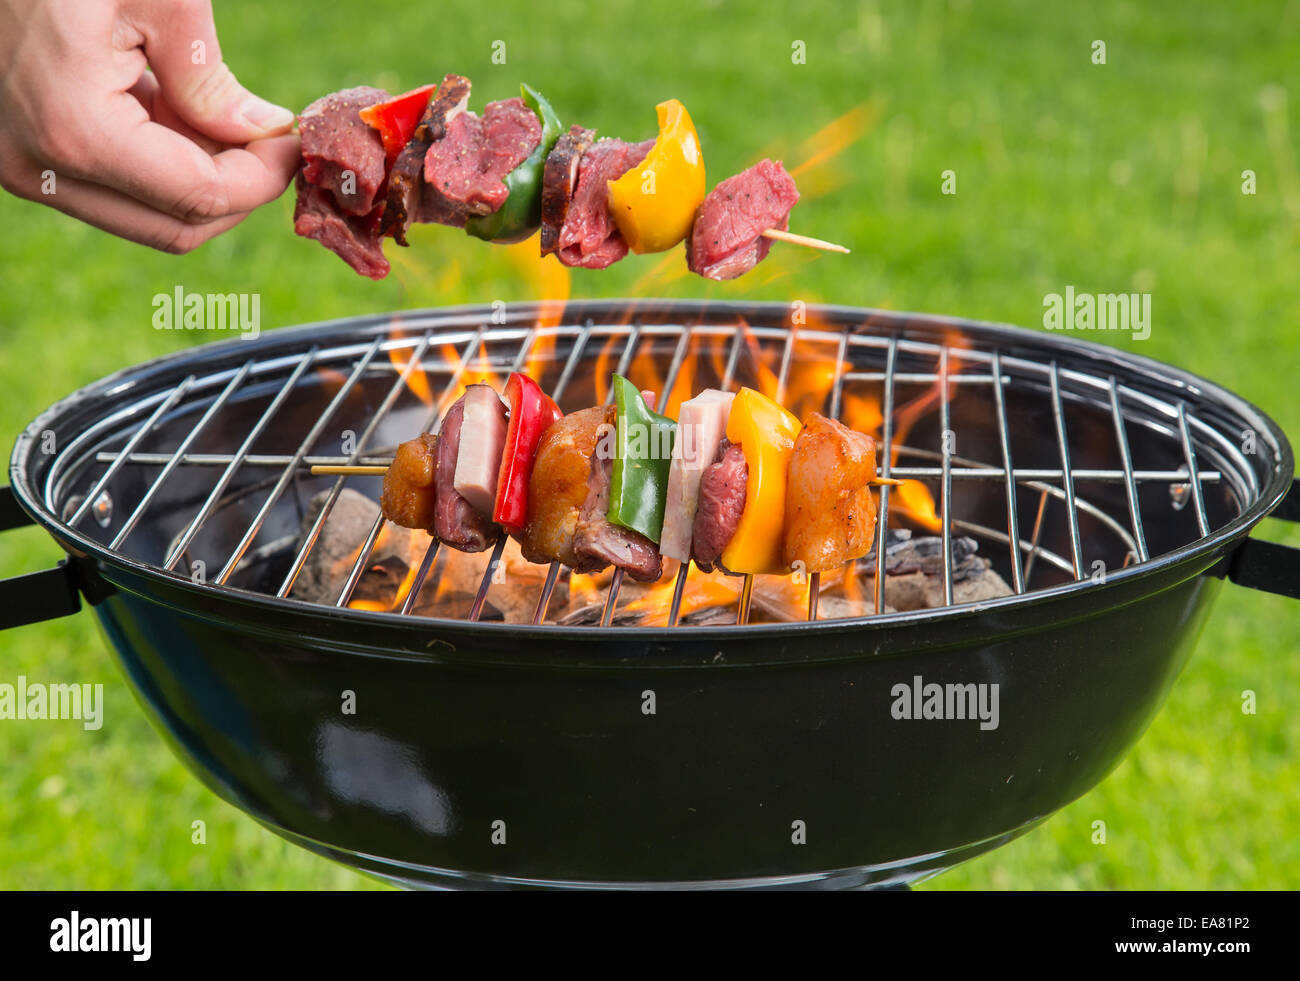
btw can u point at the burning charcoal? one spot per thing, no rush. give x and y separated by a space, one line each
340 541
449 589
905 554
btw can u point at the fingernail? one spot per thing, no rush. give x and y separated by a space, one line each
266 115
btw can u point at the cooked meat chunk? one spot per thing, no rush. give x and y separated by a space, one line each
559 181
340 153
589 237
558 488
598 543
409 496
722 502
727 239
468 165
355 240
830 515
406 179
456 521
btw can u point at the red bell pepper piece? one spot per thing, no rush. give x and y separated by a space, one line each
396 119
532 412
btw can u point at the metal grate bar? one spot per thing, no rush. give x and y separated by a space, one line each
1058 415
431 418
290 470
1034 549
170 463
489 574
1013 519
1194 478
1130 482
327 506
485 583
886 470
946 437
922 377
134 441
920 473
421 574
223 481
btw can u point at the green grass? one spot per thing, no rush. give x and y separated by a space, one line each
1114 177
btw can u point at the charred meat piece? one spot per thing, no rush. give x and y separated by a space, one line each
406 179
727 239
598 543
722 502
356 240
559 181
456 521
830 515
340 153
409 497
589 237
557 488
467 166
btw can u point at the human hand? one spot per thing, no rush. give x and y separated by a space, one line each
168 157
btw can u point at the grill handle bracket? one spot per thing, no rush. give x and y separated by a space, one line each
1269 566
33 596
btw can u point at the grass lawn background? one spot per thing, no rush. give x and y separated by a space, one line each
1114 177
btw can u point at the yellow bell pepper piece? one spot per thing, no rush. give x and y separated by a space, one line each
766 433
654 204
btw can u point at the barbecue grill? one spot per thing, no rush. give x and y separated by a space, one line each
1113 494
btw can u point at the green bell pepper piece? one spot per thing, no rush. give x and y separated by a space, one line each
643 454
521 215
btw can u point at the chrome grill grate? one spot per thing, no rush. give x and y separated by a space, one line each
975 374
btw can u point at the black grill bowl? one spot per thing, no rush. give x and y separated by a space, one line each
487 755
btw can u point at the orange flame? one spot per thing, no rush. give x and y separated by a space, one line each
836 137
480 370
418 380
702 590
551 282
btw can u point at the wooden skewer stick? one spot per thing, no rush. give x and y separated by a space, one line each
330 470
746 591
804 240
341 471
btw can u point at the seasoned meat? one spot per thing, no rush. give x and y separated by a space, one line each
722 502
340 153
589 237
468 165
598 543
356 240
727 239
406 179
409 496
559 181
456 522
830 515
557 488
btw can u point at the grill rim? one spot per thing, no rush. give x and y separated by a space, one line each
1206 551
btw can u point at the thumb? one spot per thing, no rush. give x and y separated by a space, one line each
182 49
